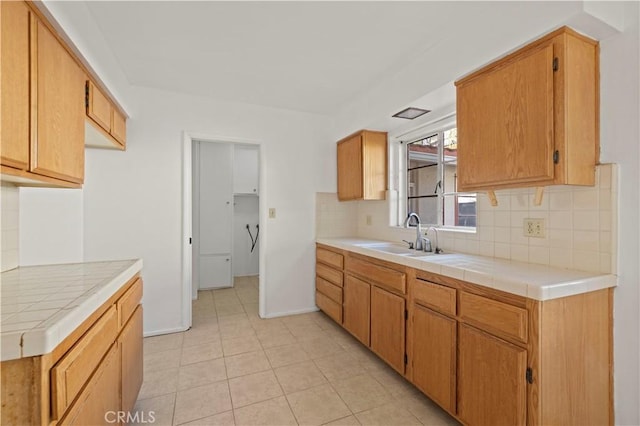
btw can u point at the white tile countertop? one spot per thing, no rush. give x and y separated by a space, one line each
537 282
41 305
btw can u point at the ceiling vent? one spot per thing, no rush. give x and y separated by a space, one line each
411 113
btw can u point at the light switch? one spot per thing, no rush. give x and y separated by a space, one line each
272 213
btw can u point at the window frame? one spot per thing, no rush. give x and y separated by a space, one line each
401 174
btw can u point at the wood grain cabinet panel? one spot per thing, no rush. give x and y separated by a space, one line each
437 297
128 303
496 317
72 371
362 166
434 356
492 387
333 292
333 259
329 306
100 396
332 275
356 307
57 148
388 327
14 115
119 127
131 360
99 107
531 118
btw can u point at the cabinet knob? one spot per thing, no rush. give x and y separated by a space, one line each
254 190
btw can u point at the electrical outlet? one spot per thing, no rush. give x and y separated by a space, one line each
272 213
368 219
533 228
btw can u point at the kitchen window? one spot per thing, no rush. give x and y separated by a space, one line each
431 181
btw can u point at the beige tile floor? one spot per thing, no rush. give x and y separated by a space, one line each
234 368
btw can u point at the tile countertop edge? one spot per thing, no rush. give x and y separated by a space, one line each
43 340
566 283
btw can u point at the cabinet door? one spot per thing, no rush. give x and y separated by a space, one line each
355 316
57 148
491 380
98 107
245 170
130 342
14 116
350 169
388 327
505 123
100 396
215 271
434 356
119 127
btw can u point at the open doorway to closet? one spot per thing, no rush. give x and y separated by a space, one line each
223 257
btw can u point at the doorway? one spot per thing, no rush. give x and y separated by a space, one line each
221 219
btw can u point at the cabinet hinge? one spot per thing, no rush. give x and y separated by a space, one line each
406 314
189 240
555 64
406 359
529 375
556 157
86 95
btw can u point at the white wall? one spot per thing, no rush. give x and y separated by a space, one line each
620 143
132 201
50 226
10 211
245 212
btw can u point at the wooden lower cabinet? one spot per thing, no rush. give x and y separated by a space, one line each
101 396
433 357
356 307
388 327
130 343
492 387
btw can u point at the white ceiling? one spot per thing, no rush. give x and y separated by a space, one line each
306 56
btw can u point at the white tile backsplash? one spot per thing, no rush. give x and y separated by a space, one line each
9 212
580 222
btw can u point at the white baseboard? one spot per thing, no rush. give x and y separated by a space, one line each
296 312
165 331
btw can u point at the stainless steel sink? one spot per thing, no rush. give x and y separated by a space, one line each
394 248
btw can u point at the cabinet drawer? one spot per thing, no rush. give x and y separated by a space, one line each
493 316
437 297
389 278
333 292
128 302
330 258
74 369
329 274
329 307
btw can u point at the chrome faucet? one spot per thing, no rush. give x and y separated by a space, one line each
436 249
422 243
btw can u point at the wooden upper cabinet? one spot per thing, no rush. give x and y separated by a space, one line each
57 148
105 118
98 107
531 118
14 115
362 166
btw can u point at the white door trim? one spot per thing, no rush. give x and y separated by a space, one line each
187 226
